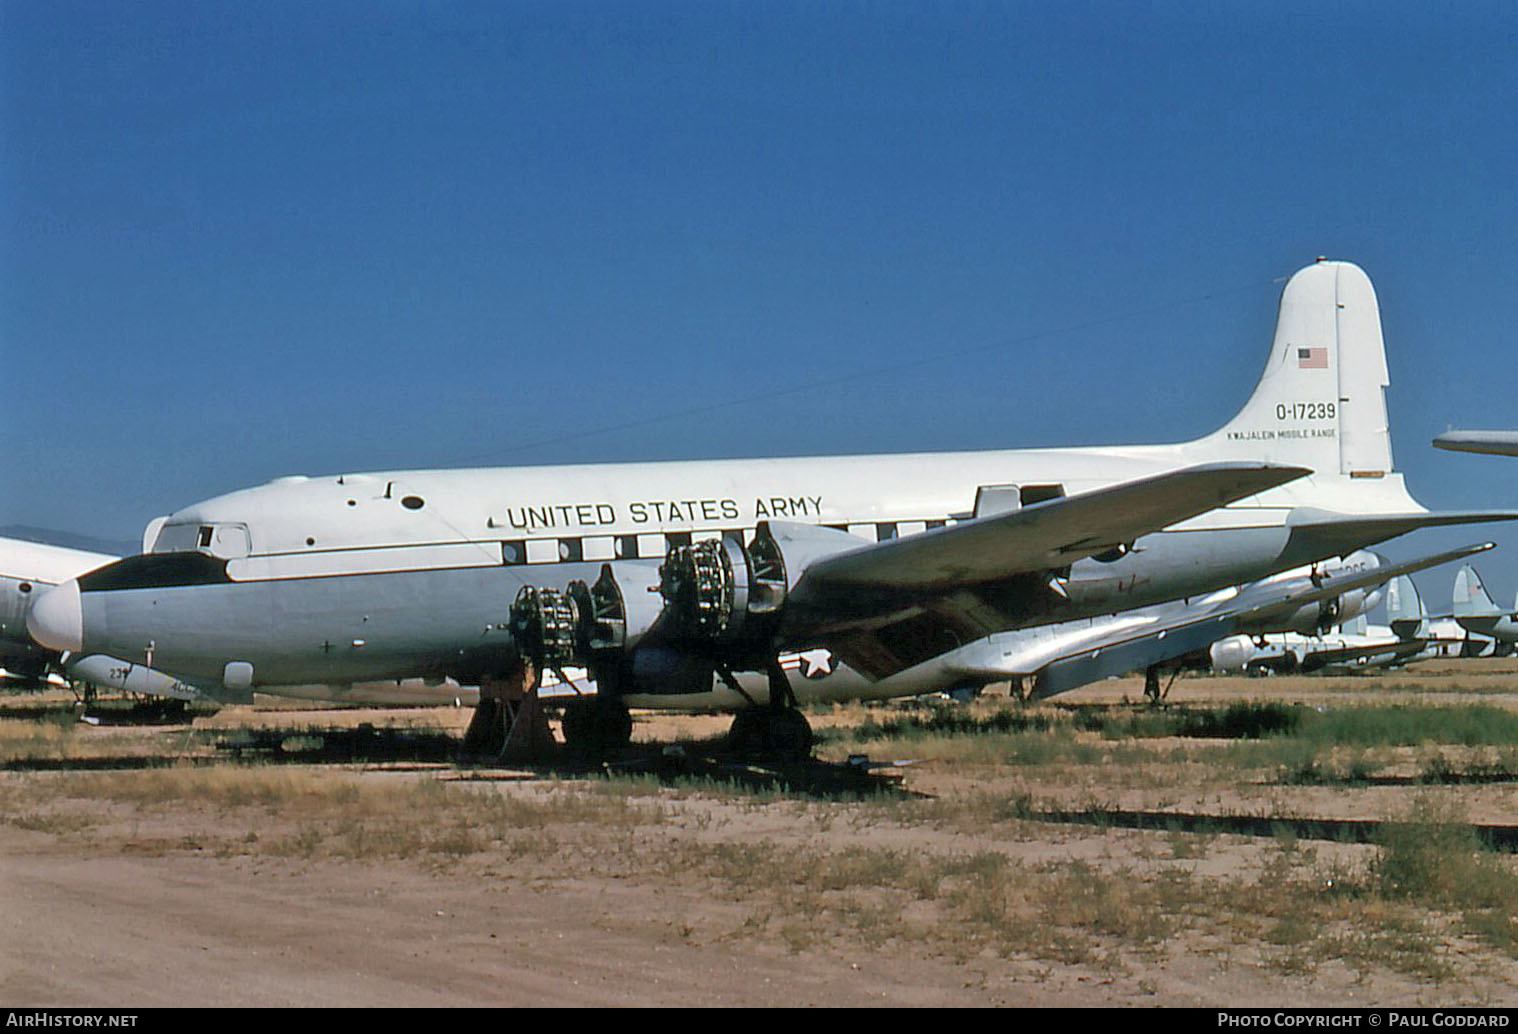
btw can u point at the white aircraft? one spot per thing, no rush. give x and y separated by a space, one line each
1476 612
1354 646
681 584
1495 443
27 569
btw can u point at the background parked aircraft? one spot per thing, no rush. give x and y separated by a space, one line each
1476 612
27 569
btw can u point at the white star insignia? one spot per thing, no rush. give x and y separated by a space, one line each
817 664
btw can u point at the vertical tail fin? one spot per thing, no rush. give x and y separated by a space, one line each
1321 401
1470 597
1404 608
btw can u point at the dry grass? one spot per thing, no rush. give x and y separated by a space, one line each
966 872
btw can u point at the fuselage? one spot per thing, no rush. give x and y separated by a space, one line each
392 575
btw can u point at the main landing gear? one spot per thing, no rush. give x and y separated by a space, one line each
777 729
1152 692
595 726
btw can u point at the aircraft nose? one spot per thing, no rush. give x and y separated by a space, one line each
56 619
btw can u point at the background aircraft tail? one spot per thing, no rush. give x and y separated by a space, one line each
1470 597
1320 402
1404 608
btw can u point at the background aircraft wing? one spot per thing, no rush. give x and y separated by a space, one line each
1496 443
1393 649
1130 648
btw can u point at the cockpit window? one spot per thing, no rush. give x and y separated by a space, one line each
227 541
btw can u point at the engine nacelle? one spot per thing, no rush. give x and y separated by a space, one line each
1316 618
1231 654
711 606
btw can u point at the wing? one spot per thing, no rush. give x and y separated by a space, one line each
1496 443
1394 650
1105 649
951 585
1044 536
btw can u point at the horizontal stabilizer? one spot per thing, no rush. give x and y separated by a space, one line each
1316 534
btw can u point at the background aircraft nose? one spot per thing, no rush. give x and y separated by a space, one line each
56 619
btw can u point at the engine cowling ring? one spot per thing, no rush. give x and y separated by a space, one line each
705 588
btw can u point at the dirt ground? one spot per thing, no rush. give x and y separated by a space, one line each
124 884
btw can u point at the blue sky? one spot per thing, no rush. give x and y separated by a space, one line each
243 240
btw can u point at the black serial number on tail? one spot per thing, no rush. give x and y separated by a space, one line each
1307 411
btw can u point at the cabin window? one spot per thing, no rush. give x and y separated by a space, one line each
597 547
513 553
542 551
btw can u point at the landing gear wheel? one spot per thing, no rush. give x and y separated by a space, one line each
746 735
790 735
771 732
597 725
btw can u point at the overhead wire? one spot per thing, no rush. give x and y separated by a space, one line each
859 375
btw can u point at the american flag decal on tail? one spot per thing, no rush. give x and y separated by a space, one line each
1312 358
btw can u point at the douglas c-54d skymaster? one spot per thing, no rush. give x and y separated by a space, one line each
682 583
